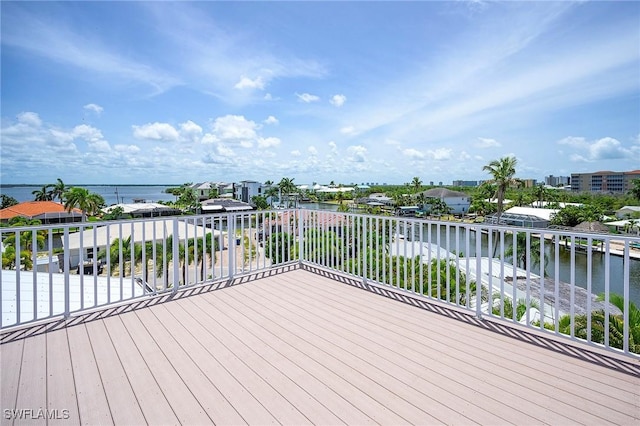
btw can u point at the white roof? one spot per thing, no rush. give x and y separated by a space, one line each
102 287
630 208
495 201
332 190
635 222
537 212
430 251
134 207
163 229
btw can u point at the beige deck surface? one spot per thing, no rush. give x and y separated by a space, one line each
298 348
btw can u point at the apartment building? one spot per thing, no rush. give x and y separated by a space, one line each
604 181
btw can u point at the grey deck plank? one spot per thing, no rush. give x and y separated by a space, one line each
152 401
61 390
217 407
32 392
122 400
92 401
342 411
10 363
192 338
262 381
393 403
544 358
567 398
186 408
499 347
396 374
447 391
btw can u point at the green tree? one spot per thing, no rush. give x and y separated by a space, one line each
573 215
635 189
287 187
81 198
281 247
25 239
58 190
502 172
260 202
417 184
598 325
7 201
43 194
526 251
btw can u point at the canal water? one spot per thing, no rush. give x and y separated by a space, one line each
446 238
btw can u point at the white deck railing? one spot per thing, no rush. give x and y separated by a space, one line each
580 286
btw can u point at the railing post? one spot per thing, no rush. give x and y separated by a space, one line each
300 236
67 262
479 271
231 229
176 255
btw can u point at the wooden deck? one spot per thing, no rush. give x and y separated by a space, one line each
299 348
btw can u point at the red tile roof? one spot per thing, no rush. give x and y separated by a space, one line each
31 209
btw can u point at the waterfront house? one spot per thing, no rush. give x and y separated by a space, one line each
47 212
457 202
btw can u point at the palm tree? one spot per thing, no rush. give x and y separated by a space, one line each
58 190
271 193
541 194
43 194
502 172
416 183
287 187
524 251
83 199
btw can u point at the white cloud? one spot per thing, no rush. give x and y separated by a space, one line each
88 133
224 150
440 154
312 151
234 127
247 83
295 153
190 131
357 153
333 148
127 149
606 148
487 143
348 130
271 120
30 118
412 153
307 98
579 142
156 131
338 100
268 142
94 107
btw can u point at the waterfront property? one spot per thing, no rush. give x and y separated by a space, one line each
334 318
45 211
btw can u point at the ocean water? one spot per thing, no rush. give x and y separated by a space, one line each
112 194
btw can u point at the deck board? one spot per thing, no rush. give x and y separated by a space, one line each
300 348
117 388
152 401
533 386
597 387
93 407
61 392
10 363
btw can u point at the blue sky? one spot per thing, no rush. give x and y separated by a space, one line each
163 92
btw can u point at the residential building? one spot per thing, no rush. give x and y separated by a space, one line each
46 212
203 189
458 202
247 189
144 209
607 182
628 211
529 183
